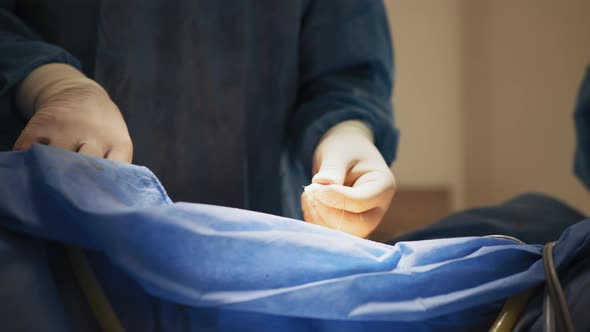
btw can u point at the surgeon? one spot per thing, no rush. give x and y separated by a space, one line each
234 103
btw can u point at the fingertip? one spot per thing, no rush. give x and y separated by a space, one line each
306 207
323 179
314 188
329 176
331 172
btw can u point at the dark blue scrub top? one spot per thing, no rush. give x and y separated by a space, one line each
225 100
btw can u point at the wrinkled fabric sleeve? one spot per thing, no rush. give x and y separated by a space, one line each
21 51
346 73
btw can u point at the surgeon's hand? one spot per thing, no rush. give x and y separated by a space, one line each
353 186
72 112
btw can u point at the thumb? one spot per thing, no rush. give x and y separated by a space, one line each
332 171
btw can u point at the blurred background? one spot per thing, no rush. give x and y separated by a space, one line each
484 99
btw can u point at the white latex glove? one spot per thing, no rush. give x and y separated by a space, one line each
72 112
353 186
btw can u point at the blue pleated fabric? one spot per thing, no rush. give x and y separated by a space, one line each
189 267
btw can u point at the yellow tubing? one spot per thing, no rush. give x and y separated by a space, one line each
98 302
511 312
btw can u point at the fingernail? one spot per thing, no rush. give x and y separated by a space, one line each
323 179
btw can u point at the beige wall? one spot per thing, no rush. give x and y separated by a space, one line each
485 93
428 94
523 64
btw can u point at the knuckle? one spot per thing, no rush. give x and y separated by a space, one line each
42 118
124 143
31 132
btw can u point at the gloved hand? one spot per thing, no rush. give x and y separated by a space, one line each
70 111
353 186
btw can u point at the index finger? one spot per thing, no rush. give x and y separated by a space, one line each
373 189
